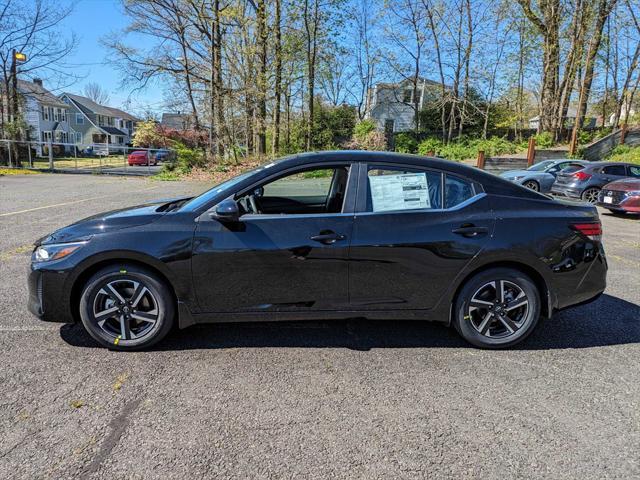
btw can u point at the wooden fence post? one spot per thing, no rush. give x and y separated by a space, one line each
531 151
623 133
50 155
480 164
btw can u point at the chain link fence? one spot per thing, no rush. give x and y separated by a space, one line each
77 158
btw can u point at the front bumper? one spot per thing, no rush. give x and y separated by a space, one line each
627 204
46 294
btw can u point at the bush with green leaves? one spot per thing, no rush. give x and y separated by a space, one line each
363 128
625 153
465 148
406 143
544 140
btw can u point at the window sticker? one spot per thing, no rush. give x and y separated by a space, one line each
407 191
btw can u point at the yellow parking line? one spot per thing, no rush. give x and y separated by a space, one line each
68 203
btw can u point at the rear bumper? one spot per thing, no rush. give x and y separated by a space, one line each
566 190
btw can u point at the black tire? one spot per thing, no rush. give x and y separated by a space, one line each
469 320
147 322
590 195
532 185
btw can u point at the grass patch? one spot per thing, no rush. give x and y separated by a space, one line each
467 148
625 153
17 171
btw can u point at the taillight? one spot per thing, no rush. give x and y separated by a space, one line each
582 176
593 230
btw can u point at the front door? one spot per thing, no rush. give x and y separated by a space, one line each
288 252
414 231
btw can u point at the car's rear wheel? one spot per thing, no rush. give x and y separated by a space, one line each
532 184
591 195
126 307
497 308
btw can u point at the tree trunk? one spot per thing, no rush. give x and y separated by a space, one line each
604 8
278 80
261 124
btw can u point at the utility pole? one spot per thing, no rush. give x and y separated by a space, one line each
15 58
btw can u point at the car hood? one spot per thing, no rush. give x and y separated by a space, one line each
109 221
625 184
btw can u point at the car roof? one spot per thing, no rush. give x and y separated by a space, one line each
491 183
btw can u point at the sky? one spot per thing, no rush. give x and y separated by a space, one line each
91 20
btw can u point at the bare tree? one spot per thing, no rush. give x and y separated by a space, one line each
97 93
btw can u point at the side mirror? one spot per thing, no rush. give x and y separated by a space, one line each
226 211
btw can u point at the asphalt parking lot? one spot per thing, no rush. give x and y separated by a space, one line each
343 399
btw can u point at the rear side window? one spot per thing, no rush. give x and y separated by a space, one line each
634 171
398 189
456 191
615 170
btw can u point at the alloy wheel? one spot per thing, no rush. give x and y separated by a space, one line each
532 185
591 195
126 309
498 309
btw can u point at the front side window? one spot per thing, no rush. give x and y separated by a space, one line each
398 189
310 191
634 171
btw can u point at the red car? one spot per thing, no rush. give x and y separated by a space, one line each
142 157
621 196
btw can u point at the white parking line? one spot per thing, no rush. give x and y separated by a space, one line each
69 203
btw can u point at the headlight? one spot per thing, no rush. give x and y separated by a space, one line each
55 251
520 177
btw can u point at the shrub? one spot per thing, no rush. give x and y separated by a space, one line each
544 140
363 129
406 143
372 140
430 145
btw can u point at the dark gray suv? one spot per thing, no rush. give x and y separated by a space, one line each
586 183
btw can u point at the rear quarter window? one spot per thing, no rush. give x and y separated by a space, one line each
456 191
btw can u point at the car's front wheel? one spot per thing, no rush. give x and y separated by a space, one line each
532 185
126 307
497 308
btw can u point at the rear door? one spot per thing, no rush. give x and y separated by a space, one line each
414 231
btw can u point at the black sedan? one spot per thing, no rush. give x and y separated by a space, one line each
323 236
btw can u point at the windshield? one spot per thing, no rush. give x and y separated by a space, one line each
205 197
542 166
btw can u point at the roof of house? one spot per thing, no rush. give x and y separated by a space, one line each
40 93
89 106
421 80
178 121
116 112
112 130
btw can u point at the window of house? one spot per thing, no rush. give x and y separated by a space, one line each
56 117
310 191
78 137
79 119
397 189
456 191
47 136
44 112
63 115
407 95
50 113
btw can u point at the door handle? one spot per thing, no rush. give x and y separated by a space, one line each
327 237
470 231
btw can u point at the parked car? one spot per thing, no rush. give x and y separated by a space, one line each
621 196
141 157
540 177
322 236
164 155
587 182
